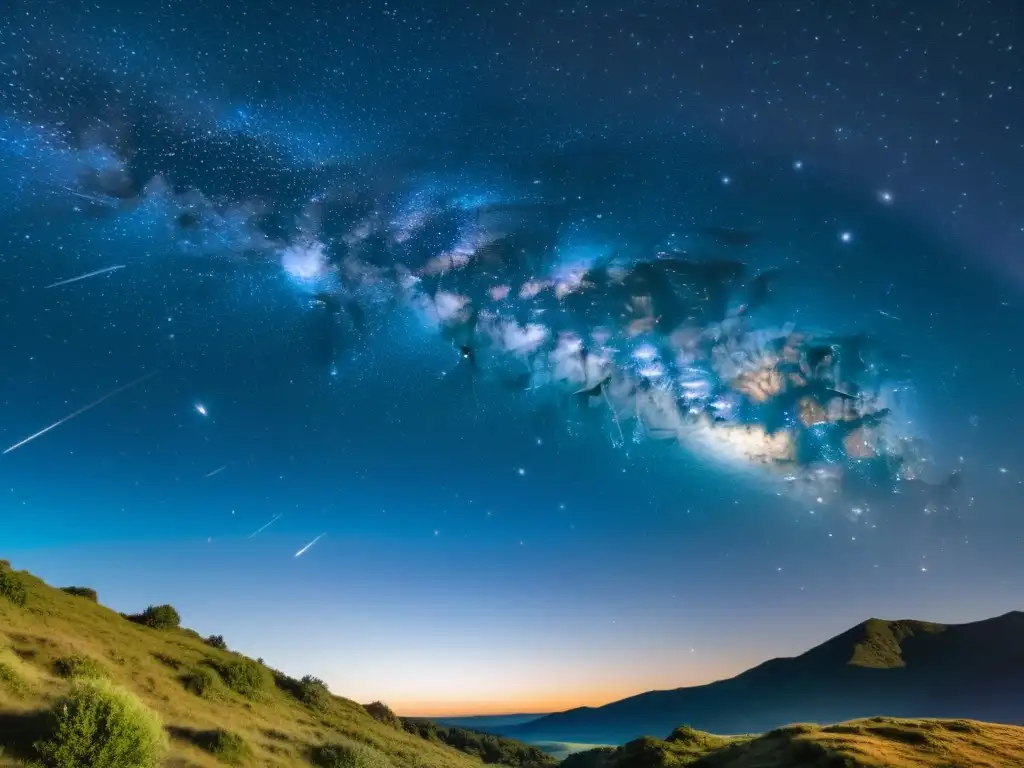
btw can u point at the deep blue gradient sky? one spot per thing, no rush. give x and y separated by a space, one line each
482 554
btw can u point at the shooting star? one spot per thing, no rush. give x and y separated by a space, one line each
217 471
267 525
88 274
303 551
80 411
887 314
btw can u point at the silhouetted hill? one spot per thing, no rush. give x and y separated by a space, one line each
896 668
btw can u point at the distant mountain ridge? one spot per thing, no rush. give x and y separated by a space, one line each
903 668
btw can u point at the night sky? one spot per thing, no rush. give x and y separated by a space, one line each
478 548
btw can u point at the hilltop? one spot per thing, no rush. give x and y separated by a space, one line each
902 668
216 706
877 742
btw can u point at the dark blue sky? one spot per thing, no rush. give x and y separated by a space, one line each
481 553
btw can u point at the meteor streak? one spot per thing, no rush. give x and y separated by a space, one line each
88 274
217 471
80 411
303 551
267 525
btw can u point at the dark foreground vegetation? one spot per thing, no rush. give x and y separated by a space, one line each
489 748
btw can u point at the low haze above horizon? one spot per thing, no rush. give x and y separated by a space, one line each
326 326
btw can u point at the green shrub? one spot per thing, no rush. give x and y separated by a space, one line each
313 692
244 677
158 617
381 712
226 746
101 726
12 587
88 594
203 682
217 641
349 754
77 665
10 673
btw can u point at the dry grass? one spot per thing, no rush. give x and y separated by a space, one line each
878 742
277 729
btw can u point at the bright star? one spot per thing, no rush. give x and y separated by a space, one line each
885 196
846 236
200 409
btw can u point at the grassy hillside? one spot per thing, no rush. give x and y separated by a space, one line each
873 743
216 706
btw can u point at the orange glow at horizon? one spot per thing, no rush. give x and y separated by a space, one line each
451 706
462 708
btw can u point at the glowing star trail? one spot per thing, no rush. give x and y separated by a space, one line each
267 525
80 411
305 549
86 275
217 471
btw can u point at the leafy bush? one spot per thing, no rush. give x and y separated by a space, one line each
12 587
10 673
244 677
203 682
217 641
313 692
101 726
88 594
349 754
226 746
77 665
159 617
381 712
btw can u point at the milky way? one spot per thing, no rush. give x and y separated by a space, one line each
629 309
662 339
